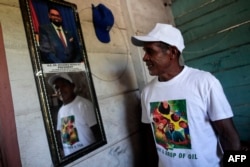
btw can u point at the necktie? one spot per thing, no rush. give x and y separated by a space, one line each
61 37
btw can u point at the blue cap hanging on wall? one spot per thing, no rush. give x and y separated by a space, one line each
103 20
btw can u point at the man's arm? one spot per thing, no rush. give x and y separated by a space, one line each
149 153
228 135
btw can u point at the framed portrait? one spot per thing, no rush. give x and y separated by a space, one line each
63 77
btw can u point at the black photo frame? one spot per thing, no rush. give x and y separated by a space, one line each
53 59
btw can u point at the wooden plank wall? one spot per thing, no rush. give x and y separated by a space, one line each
217 39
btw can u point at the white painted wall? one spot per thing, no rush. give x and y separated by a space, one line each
118 74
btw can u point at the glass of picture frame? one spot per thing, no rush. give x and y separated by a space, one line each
62 73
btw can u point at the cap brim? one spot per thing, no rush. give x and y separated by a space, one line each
52 79
140 40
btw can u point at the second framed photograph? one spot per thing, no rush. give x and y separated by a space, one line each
61 69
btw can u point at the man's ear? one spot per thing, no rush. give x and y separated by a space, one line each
174 51
74 87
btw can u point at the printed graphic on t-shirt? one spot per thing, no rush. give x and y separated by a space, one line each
170 124
68 130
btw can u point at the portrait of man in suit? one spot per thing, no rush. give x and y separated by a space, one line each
56 43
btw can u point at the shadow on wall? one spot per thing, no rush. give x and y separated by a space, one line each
132 119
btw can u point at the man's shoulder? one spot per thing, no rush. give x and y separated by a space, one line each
83 100
149 87
200 77
150 83
195 72
46 26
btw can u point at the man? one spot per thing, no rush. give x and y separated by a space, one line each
76 121
197 96
56 44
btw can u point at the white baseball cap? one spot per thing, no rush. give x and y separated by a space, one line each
53 78
162 33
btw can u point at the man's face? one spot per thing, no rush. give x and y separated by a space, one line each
65 90
156 59
55 17
171 126
165 104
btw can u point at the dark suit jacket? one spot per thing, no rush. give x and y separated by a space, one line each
52 49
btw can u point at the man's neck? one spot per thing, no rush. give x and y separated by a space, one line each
69 100
170 75
56 27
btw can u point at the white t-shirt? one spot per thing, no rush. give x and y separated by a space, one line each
194 97
74 122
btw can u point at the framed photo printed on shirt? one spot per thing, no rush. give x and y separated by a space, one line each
63 77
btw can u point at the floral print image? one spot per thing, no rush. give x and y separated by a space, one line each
170 124
69 132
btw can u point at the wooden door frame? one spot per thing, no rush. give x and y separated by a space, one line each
9 150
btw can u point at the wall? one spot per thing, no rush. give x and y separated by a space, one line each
219 43
117 71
